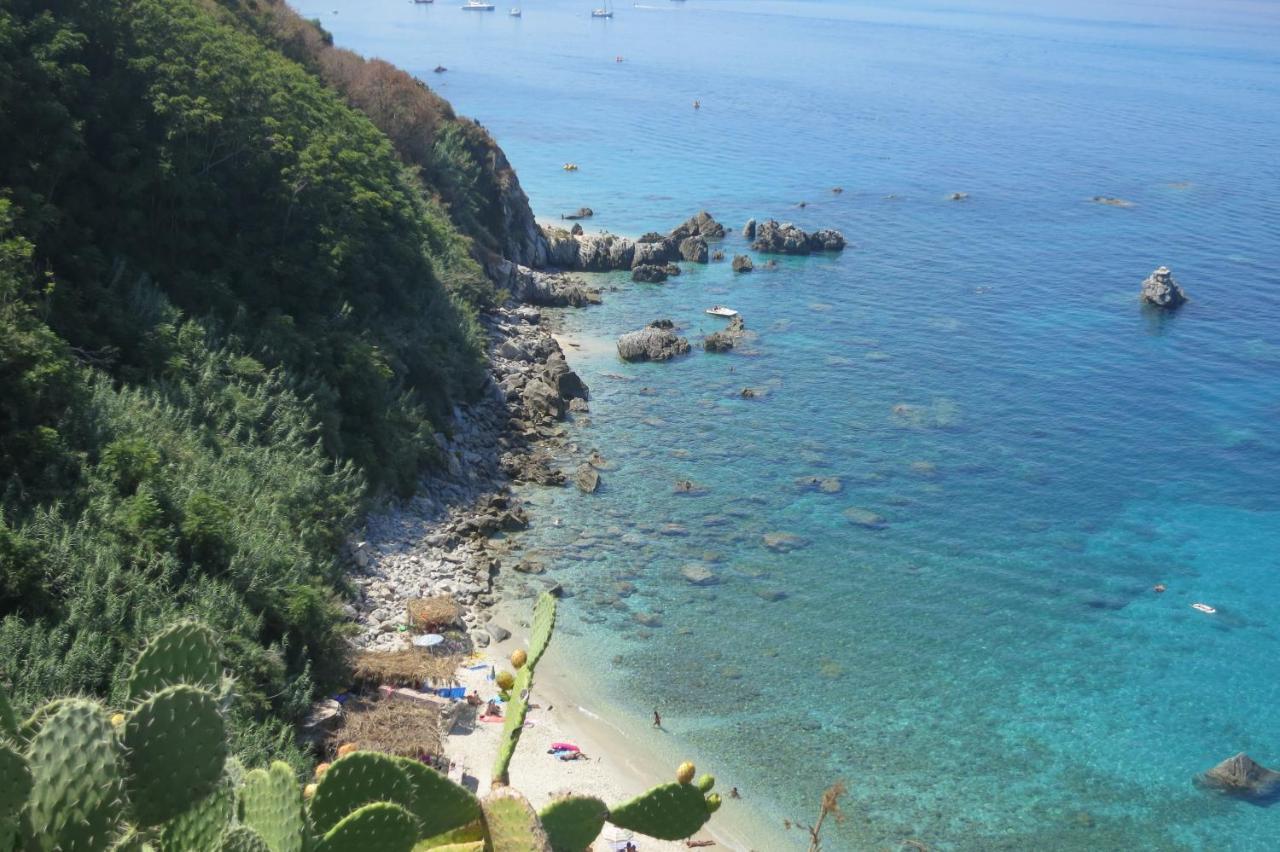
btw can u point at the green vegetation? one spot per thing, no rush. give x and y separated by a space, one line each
157 776
230 310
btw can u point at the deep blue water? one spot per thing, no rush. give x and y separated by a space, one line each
992 670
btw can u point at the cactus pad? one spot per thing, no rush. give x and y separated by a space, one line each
668 812
511 824
271 804
439 804
573 823
8 722
517 708
380 826
175 748
76 789
200 827
544 621
241 838
186 653
15 784
358 779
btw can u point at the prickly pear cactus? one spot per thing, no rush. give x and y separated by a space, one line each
186 653
439 804
8 722
15 782
544 621
573 823
511 825
668 812
29 728
200 827
175 746
271 804
513 725
355 780
76 786
241 838
383 826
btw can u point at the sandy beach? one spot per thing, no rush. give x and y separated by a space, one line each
618 767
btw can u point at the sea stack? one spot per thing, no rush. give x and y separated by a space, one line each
1160 289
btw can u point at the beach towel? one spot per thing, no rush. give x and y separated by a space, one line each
491 719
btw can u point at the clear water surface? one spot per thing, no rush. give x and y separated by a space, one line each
991 669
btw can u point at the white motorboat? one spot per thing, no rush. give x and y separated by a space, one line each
515 11
477 6
722 311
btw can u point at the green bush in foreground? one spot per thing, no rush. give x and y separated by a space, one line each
157 776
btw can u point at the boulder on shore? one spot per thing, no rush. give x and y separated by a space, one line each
655 342
786 238
694 249
1243 776
742 263
1160 289
649 273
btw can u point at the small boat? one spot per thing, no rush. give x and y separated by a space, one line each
603 12
515 11
697 104
478 6
440 69
570 167
721 311
422 2
1205 608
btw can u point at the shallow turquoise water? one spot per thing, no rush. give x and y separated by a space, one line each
992 669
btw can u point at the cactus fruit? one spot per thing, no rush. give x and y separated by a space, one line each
519 658
321 769
357 780
713 802
75 779
200 827
706 782
544 620
308 791
346 749
505 680
667 812
511 825
439 804
270 804
117 720
241 838
685 772
175 749
573 823
380 826
186 653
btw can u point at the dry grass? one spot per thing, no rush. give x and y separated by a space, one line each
409 666
391 726
431 614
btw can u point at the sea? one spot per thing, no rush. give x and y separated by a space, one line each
936 527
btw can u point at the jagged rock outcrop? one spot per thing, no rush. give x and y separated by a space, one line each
657 252
742 263
657 341
1243 776
580 213
786 238
649 273
702 224
726 339
694 249
749 229
540 288
1160 289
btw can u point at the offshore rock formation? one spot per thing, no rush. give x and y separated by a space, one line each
726 339
649 273
655 342
607 252
1243 776
1160 289
786 238
694 249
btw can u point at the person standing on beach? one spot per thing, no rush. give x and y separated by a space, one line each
657 720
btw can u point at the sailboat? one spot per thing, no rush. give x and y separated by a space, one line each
605 11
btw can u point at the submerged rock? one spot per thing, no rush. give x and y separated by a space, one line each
783 542
656 342
1243 776
586 478
865 518
742 263
698 575
1160 289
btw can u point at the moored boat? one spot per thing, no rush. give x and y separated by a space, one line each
721 311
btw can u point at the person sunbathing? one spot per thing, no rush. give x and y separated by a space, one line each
493 709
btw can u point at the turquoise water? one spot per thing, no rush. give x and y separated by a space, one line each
991 670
